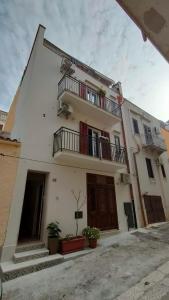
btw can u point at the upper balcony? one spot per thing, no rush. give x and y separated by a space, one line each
88 101
74 149
154 142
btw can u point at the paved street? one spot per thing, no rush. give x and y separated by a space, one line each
126 266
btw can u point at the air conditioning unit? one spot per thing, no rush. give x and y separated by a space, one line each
125 178
65 109
66 67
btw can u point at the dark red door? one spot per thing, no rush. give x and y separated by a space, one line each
101 202
154 209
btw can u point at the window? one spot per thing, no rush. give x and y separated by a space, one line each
163 171
135 126
149 168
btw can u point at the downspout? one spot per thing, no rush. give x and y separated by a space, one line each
138 185
121 101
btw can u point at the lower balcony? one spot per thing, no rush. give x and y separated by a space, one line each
96 153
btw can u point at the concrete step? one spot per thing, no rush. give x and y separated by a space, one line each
11 270
29 255
29 246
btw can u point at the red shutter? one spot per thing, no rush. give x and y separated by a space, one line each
102 102
83 138
105 144
82 90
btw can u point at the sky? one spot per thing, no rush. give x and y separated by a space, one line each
97 32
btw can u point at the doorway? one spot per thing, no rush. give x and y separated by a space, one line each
31 218
101 202
154 209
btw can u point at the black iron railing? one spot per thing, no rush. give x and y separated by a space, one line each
86 93
69 140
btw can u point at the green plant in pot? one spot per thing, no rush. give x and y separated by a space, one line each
92 234
53 237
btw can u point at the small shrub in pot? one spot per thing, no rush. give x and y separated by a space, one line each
92 234
53 237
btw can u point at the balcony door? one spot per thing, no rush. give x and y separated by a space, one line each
148 135
94 142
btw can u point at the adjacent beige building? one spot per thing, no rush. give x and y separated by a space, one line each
9 153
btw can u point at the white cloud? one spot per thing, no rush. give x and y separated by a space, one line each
95 31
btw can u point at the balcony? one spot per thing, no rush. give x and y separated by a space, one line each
154 142
73 149
86 100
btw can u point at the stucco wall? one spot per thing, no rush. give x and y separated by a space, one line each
36 121
157 186
8 167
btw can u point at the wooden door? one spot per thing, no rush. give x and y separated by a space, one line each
154 209
101 202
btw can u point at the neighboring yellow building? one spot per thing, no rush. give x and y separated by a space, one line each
9 151
165 134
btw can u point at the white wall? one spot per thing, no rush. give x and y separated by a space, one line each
35 123
156 186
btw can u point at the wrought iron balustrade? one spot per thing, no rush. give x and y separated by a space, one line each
69 140
88 94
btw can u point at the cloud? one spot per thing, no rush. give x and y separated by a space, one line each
96 32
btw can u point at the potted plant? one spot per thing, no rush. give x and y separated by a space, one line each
102 93
92 234
53 237
73 243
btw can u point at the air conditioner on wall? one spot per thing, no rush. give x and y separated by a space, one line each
65 109
66 67
125 178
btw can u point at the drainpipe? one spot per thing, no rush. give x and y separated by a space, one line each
121 101
138 185
162 190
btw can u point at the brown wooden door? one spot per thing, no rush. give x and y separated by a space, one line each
102 211
154 209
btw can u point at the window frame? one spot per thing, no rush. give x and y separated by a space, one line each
135 126
163 171
149 168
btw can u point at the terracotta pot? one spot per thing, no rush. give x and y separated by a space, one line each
92 243
72 245
53 245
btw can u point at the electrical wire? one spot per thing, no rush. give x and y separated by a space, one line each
52 163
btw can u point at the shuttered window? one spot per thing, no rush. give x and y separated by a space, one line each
149 168
135 126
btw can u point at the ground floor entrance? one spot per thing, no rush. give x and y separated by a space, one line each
154 209
31 218
101 202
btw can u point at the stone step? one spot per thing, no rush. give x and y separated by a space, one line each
29 246
29 255
11 270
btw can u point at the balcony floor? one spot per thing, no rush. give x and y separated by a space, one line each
74 159
88 109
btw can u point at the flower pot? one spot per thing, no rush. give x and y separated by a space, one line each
53 245
92 243
72 245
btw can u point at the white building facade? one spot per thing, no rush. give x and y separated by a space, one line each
148 162
68 119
